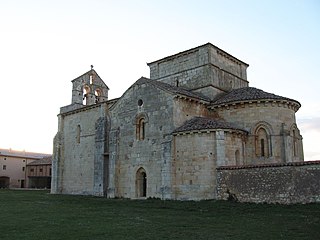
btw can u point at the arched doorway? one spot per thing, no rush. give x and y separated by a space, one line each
141 183
4 182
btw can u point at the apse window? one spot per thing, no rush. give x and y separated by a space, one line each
262 145
140 102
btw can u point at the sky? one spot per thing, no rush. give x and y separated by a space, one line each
46 44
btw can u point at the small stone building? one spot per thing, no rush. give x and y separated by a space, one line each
39 173
166 135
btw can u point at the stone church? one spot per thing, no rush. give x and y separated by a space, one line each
166 135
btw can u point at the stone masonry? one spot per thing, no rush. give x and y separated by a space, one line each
271 183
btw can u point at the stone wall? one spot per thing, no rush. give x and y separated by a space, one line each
194 166
276 183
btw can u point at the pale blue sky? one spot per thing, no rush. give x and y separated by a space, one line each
46 44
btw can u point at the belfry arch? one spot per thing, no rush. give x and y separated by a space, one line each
141 183
85 93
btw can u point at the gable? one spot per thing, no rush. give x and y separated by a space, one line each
140 96
90 75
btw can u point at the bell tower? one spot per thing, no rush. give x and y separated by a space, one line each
89 89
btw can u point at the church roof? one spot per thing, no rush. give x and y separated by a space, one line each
248 94
173 89
201 123
43 161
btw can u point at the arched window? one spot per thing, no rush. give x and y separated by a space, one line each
141 183
141 122
141 129
262 146
78 133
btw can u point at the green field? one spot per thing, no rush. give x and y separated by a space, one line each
39 215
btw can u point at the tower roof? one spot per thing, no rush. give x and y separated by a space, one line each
248 94
210 45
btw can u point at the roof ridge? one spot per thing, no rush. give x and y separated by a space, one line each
173 89
91 70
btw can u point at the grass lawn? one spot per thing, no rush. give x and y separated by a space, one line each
39 215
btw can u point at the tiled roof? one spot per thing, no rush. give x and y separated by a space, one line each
22 154
247 94
43 161
173 89
201 123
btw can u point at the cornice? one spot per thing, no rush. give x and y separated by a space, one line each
258 103
232 131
